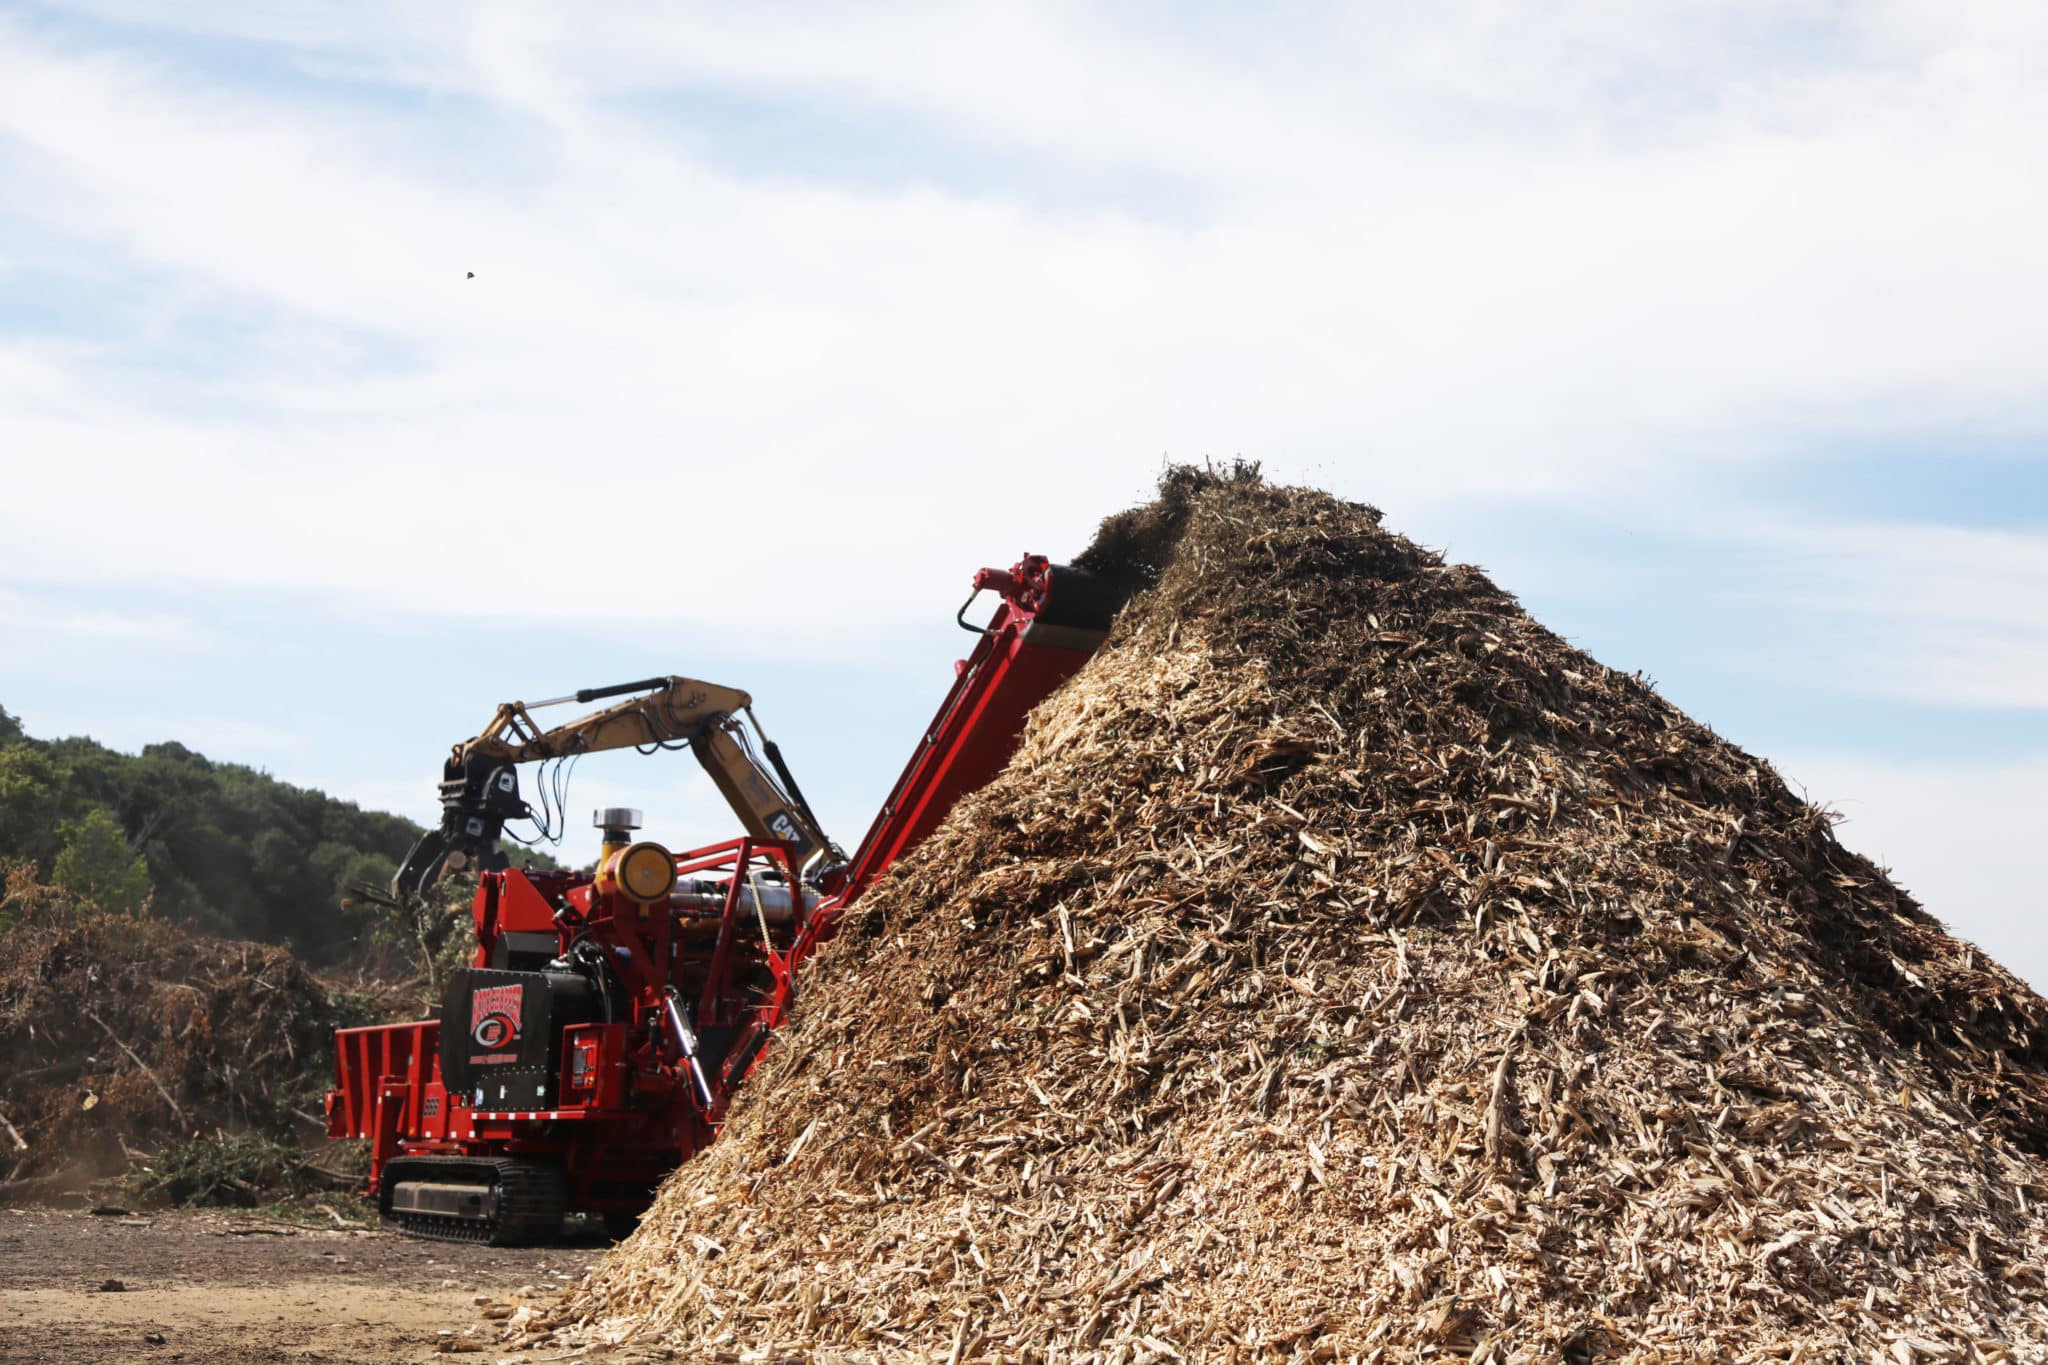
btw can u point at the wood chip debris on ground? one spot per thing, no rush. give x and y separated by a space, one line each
1348 968
522 1320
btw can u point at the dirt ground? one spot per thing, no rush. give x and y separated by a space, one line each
211 1287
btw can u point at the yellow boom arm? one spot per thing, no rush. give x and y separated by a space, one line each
480 785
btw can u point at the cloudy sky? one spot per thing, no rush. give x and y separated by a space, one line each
1716 333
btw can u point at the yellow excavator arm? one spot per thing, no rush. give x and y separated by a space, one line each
480 783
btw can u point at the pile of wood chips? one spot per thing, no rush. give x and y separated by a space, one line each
1348 968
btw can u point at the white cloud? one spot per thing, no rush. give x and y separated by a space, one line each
1947 833
1949 615
33 624
1415 284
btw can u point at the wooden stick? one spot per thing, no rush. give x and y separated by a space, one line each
153 1080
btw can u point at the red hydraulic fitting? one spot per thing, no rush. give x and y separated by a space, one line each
994 580
1026 583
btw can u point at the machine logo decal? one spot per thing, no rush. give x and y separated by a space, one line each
494 1015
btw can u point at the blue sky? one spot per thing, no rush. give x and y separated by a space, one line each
1717 337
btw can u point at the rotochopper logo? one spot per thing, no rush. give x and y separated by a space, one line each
494 1015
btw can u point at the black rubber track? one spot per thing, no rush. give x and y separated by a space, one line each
531 1199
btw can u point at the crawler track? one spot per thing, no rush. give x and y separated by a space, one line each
522 1200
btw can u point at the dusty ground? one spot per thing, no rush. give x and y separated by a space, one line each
202 1287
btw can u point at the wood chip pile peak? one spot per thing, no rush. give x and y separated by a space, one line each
1348 968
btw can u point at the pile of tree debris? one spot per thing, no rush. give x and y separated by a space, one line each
1347 967
121 1032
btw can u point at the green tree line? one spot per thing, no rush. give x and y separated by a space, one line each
219 847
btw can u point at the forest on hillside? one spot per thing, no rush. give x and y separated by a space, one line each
218 847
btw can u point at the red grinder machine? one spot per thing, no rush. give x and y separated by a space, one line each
610 1016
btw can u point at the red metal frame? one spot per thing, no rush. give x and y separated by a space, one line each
1014 666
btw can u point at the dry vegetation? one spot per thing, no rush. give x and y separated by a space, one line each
1349 968
119 1032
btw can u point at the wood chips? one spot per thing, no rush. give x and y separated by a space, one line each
1348 968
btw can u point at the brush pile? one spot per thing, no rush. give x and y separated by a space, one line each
1348 968
120 1032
